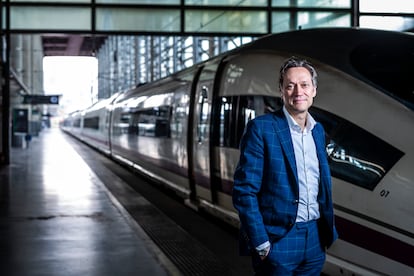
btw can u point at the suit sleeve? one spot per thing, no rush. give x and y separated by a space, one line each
247 184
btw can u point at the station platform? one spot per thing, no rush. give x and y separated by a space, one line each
60 221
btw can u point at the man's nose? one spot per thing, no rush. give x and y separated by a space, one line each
297 89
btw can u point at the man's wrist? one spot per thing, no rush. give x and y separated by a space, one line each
263 252
263 249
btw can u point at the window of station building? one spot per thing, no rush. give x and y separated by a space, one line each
245 3
286 21
141 2
53 1
30 17
137 19
92 122
355 155
312 3
396 6
397 16
391 23
237 21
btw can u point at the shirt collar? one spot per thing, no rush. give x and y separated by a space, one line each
310 122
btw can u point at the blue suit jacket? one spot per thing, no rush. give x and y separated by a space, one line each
266 190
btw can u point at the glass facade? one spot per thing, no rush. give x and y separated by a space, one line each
140 2
246 3
53 1
286 21
392 23
136 20
312 3
212 21
187 17
50 18
386 6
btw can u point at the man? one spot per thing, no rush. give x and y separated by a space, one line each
282 183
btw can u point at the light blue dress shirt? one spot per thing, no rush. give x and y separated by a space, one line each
307 165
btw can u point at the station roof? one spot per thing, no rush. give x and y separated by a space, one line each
71 44
68 25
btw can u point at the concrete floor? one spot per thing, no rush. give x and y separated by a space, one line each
57 218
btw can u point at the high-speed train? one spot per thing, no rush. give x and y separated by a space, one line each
184 132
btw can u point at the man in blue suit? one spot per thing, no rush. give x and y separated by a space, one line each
282 183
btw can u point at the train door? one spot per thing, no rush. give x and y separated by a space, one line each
246 87
200 141
107 127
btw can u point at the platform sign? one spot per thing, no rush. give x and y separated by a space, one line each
20 120
41 99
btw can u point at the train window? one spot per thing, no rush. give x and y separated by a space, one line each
154 121
227 107
236 111
77 123
92 122
203 115
355 155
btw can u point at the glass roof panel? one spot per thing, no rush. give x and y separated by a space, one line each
395 6
312 3
50 18
216 21
135 19
234 3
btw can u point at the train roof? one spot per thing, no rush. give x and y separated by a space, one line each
384 59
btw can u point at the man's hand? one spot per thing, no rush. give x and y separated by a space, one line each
264 252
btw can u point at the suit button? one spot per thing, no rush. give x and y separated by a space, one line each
295 201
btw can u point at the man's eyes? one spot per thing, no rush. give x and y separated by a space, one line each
302 85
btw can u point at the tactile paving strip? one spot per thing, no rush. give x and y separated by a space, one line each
190 257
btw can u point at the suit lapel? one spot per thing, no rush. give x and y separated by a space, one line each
318 137
282 130
320 145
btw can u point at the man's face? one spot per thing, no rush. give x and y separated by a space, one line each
298 90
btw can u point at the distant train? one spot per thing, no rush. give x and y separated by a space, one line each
184 132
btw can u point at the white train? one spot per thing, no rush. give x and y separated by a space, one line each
184 132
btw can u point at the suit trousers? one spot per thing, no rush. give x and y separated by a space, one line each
299 252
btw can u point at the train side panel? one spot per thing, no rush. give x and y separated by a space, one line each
149 131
